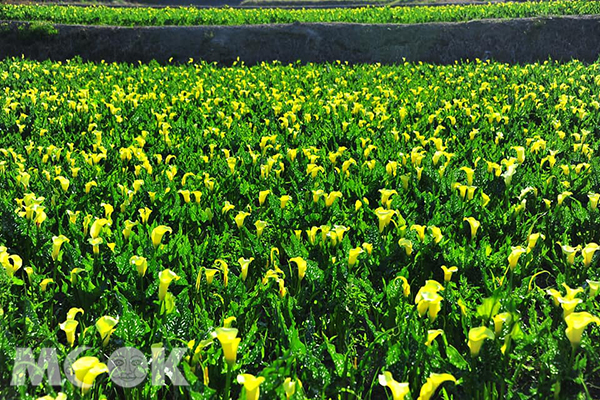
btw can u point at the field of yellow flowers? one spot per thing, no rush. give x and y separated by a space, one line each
317 231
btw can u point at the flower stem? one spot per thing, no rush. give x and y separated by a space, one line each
227 383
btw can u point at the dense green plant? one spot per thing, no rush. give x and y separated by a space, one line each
139 193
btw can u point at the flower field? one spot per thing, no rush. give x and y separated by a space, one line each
319 231
101 15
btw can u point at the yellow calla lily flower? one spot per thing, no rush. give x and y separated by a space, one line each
570 252
474 224
588 253
386 194
44 283
106 327
514 256
86 369
594 287
251 385
260 226
128 227
576 323
301 264
289 387
593 200
420 229
158 233
384 217
432 383
332 197
476 338
96 242
406 245
353 257
165 278
97 226
448 272
432 335
64 182
262 196
141 264
469 172
69 327
144 214
240 217
229 343
72 313
284 200
399 390
245 263
500 320
57 242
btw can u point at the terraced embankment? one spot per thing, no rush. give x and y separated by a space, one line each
518 40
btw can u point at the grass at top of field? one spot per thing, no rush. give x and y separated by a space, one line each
328 228
228 16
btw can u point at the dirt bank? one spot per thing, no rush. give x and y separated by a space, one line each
518 40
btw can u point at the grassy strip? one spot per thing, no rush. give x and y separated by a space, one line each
226 16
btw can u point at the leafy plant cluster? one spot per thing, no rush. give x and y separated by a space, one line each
102 15
332 230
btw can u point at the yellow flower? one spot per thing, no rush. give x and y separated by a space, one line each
227 207
144 214
420 229
165 277
513 258
158 233
594 287
225 269
432 335
312 234
128 227
229 343
470 172
260 226
96 242
576 323
231 161
384 216
72 313
588 253
437 234
485 199
386 194
108 210
428 300
57 242
69 327
251 384
262 196
240 217
141 264
331 197
289 387
368 248
405 286
284 200
64 182
353 257
399 390
44 283
474 224
244 263
86 369
520 153
533 239
89 185
357 205
301 264
432 383
97 226
185 194
499 321
406 245
106 327
476 338
448 272
210 275
570 252
594 198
